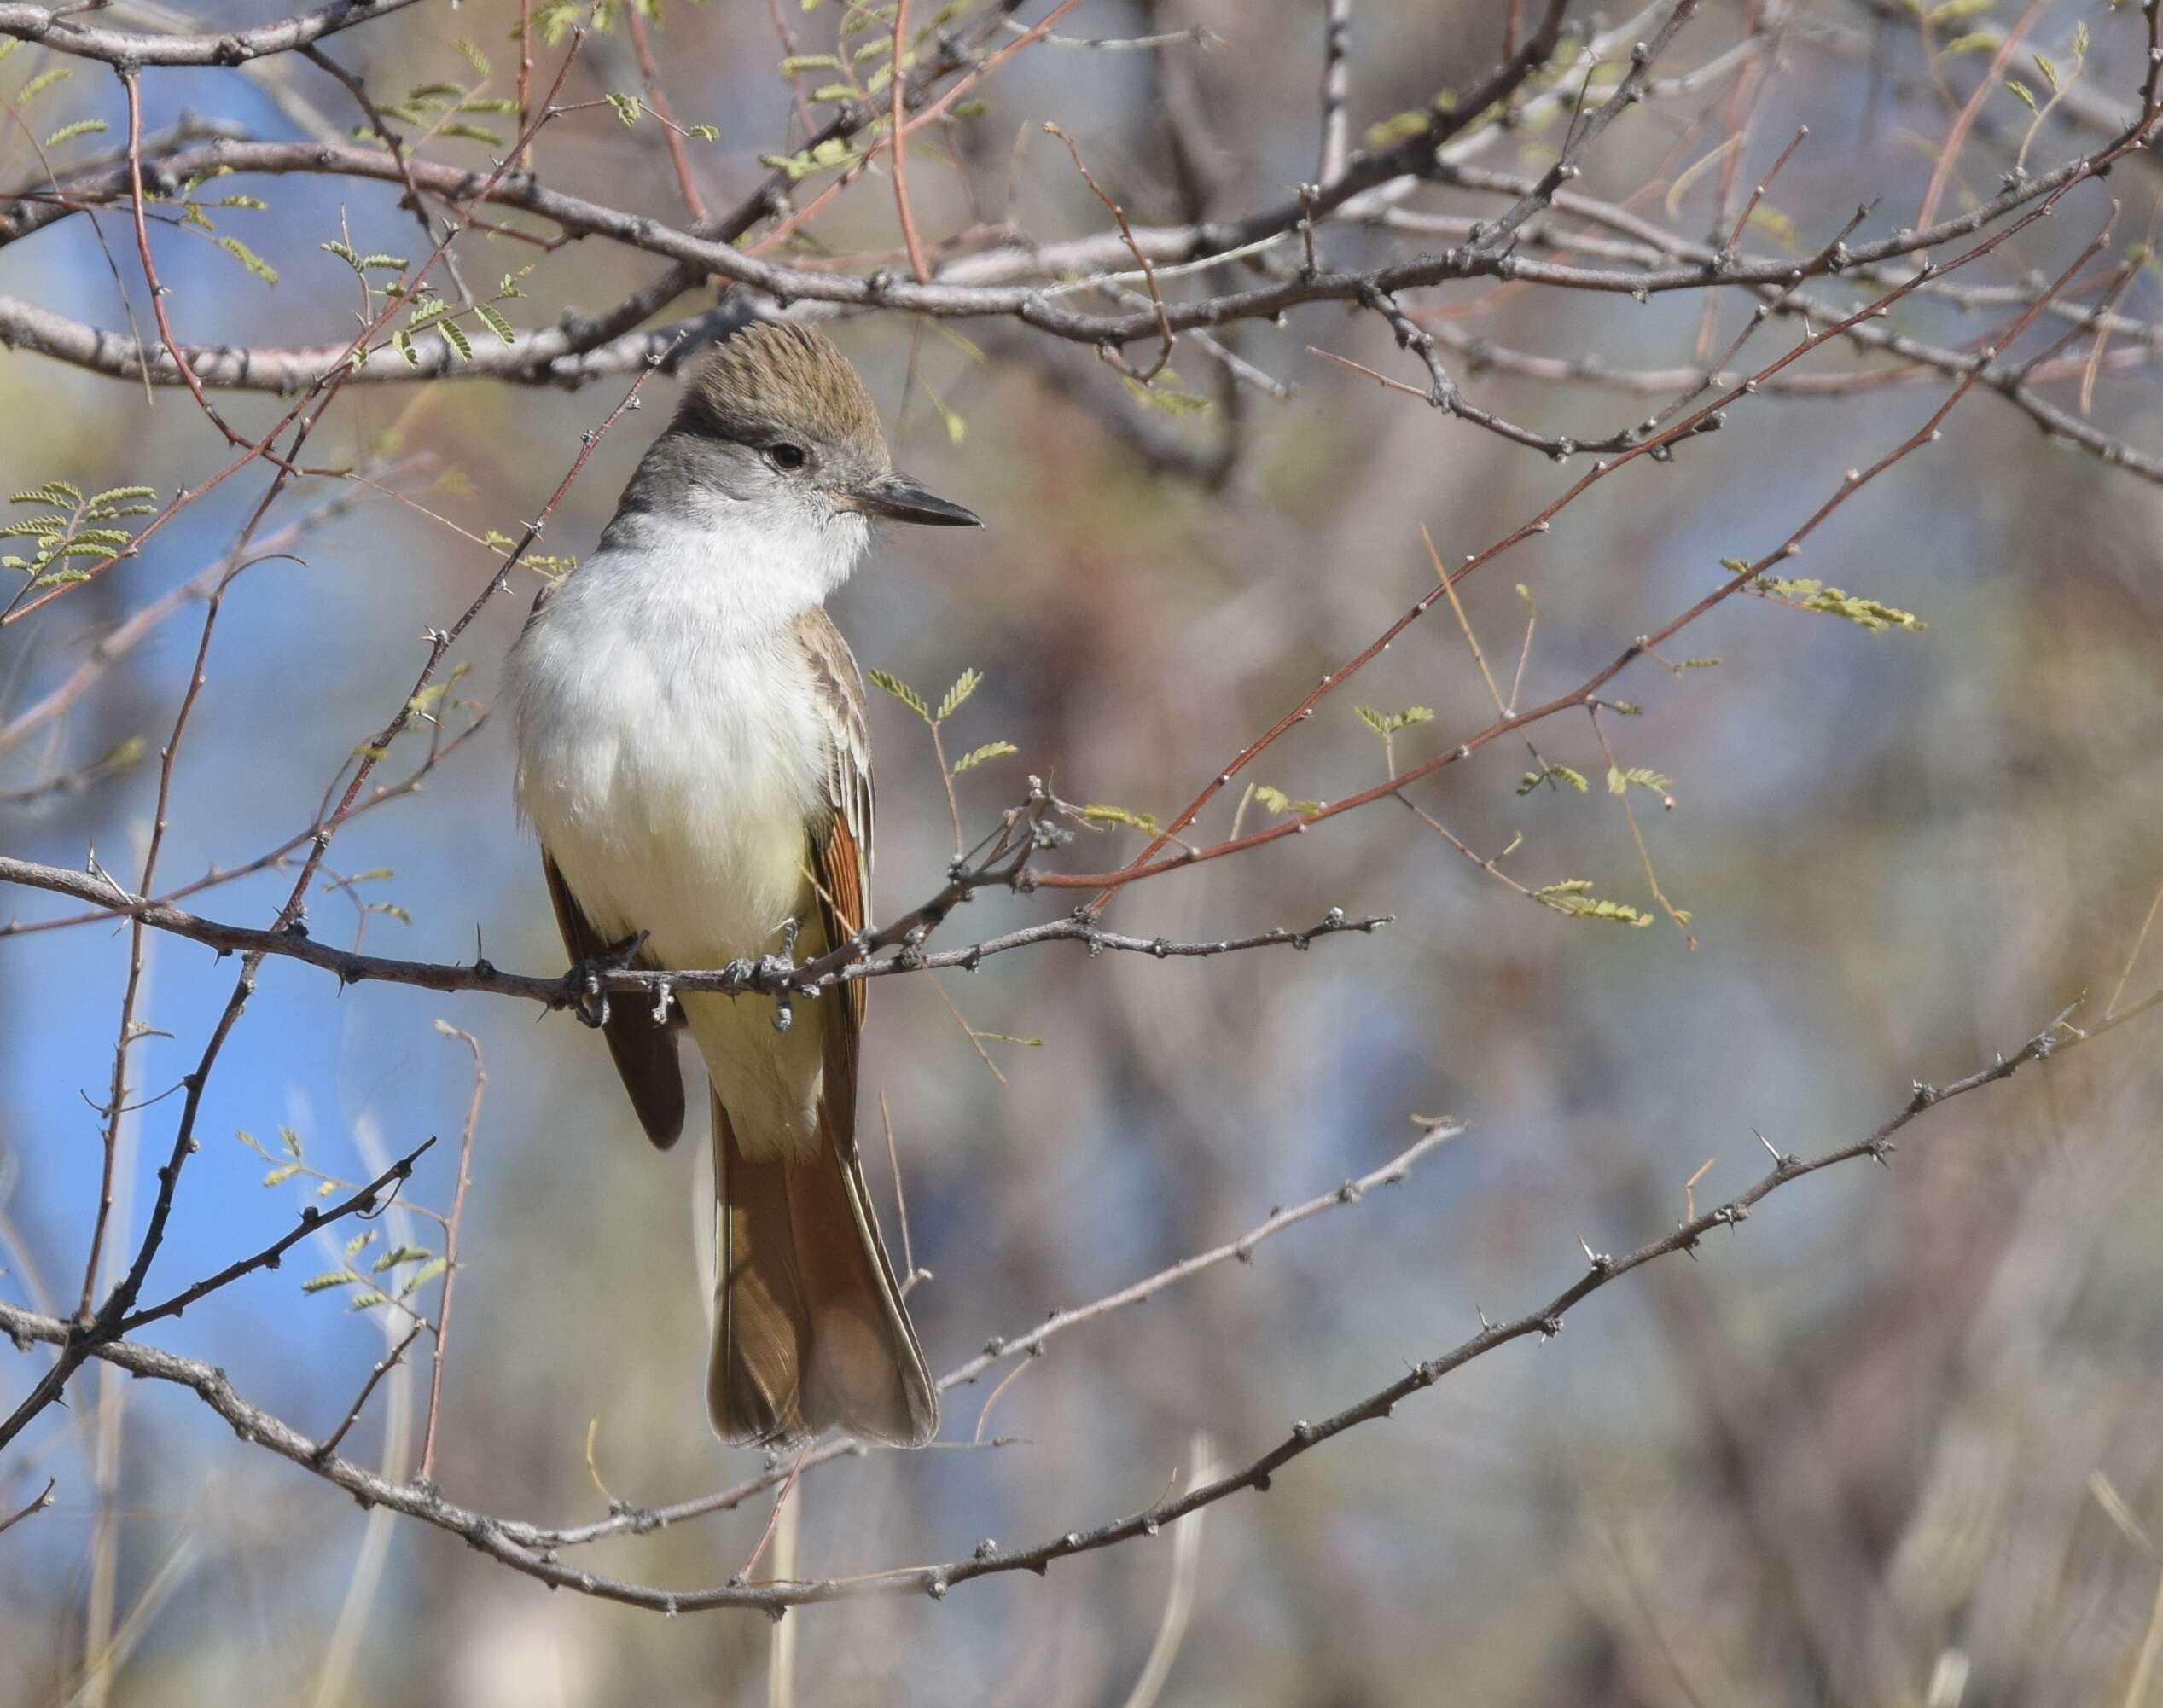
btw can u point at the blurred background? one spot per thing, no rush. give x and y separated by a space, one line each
1894 1441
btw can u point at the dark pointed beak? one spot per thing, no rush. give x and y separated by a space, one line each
899 499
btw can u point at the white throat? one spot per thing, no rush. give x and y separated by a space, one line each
735 572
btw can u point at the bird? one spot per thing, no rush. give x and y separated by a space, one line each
693 753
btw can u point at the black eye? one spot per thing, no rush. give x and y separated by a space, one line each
788 456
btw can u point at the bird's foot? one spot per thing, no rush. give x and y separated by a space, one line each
588 1000
777 973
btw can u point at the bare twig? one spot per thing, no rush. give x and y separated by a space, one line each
450 1244
44 1499
1149 269
382 1368
363 1201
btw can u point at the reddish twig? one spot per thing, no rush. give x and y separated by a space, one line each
928 113
773 1517
383 1367
671 132
150 272
1956 136
1764 184
897 91
1149 269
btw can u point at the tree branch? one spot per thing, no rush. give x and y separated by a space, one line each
772 977
497 1537
56 28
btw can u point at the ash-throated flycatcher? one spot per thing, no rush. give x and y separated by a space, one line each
693 749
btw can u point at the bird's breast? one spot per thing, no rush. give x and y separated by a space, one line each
671 764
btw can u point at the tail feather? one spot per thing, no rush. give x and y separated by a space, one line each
810 1330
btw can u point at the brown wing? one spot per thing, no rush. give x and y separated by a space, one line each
841 837
645 1053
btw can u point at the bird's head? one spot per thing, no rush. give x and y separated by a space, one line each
777 420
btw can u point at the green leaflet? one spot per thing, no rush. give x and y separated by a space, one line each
990 750
1103 816
901 691
1560 774
1573 897
1389 722
956 696
248 258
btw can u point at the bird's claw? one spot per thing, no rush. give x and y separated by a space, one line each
588 1000
777 973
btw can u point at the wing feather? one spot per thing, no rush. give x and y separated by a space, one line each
644 1052
840 838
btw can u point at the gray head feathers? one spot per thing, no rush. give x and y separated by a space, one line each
777 382
776 423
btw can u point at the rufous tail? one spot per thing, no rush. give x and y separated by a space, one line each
810 1331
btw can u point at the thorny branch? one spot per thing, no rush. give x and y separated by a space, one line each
521 1547
773 976
363 1201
